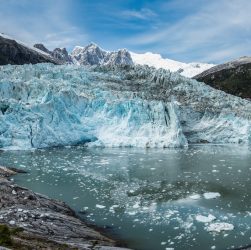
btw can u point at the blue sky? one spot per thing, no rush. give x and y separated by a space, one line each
185 30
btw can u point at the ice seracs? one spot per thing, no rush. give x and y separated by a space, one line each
114 106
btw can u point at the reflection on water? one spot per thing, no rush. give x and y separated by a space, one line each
150 197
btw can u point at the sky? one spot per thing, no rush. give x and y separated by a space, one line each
212 31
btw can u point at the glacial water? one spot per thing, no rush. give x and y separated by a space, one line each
150 199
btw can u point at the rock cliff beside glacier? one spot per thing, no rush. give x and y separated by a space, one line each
46 105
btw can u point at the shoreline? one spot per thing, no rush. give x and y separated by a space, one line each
30 220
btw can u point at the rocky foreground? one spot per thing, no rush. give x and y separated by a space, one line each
32 221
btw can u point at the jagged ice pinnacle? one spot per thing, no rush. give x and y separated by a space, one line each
45 105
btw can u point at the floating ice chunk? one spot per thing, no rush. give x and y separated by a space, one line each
100 206
205 219
136 205
195 196
211 195
220 226
131 213
111 209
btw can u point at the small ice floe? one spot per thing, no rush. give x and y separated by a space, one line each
211 195
220 226
205 219
132 213
195 197
100 206
136 205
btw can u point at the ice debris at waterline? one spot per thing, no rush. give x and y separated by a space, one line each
45 105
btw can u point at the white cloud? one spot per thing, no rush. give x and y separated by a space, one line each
40 21
143 13
217 27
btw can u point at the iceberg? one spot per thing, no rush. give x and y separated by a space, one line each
46 105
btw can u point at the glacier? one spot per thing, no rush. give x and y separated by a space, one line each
45 105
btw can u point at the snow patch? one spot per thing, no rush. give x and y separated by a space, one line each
157 61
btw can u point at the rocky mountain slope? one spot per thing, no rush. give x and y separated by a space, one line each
92 54
13 52
60 54
112 106
233 77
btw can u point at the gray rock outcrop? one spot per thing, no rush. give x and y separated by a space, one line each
34 221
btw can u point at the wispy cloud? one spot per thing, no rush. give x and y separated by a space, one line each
194 30
220 27
143 13
40 21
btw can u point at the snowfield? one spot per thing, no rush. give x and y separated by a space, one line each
45 105
157 61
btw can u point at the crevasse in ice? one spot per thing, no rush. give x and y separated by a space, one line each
45 105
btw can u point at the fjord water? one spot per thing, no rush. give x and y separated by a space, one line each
144 196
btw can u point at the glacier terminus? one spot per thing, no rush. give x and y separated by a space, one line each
47 105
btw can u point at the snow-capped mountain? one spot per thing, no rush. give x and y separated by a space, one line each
92 54
46 105
157 61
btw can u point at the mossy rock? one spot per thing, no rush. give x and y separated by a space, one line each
5 236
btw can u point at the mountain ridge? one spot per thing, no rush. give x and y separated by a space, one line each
92 54
233 77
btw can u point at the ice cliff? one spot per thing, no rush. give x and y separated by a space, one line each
47 105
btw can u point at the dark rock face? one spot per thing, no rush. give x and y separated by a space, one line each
43 223
41 47
58 54
61 55
233 77
12 52
121 57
